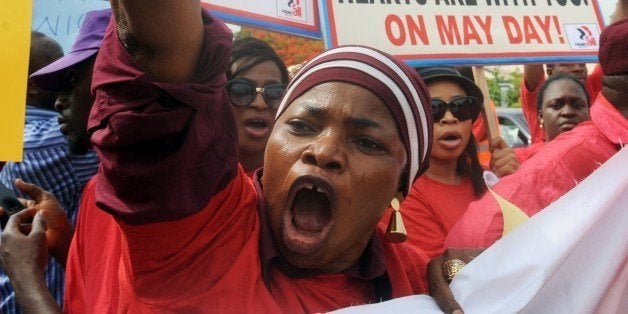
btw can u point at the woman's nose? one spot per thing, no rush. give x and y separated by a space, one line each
326 152
448 118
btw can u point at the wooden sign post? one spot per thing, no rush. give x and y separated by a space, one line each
490 121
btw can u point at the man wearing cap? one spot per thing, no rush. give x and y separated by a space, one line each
63 160
555 169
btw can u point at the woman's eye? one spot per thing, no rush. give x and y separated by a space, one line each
369 145
300 127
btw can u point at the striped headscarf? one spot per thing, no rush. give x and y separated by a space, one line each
395 83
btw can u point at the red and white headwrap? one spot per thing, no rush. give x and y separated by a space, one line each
394 82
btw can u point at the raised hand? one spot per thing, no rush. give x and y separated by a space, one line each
59 231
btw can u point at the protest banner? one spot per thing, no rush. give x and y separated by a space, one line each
15 39
62 19
297 17
431 32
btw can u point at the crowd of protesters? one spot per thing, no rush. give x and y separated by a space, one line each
187 172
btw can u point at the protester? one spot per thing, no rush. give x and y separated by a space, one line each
48 159
562 103
454 179
553 171
533 78
257 79
195 233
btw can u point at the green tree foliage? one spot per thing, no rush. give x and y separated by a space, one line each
496 80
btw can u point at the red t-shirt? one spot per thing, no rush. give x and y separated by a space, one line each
593 86
174 265
160 247
550 173
431 210
524 153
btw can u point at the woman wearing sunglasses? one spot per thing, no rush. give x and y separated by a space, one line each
257 79
454 178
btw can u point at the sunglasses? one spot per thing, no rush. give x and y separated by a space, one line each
463 108
242 92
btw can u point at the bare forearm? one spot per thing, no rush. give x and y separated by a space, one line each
532 73
33 296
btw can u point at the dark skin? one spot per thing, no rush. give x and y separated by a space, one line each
23 252
564 106
74 107
324 136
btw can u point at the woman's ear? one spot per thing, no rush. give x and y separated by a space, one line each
540 118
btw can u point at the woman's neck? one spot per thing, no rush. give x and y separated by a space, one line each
443 171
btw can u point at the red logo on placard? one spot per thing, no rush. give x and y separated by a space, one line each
587 36
296 7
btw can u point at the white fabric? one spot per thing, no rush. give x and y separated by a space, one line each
569 258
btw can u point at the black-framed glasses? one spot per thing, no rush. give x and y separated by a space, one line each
242 92
463 108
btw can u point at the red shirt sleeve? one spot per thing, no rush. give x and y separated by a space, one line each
594 83
159 143
550 173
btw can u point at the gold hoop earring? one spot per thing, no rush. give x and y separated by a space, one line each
396 232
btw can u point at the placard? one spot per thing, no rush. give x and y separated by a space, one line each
430 32
62 19
297 17
15 34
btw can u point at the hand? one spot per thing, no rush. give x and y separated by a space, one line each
59 231
23 252
503 158
23 256
437 283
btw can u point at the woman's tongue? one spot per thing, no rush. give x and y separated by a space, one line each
310 211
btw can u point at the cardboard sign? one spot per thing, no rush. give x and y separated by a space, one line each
62 19
298 17
15 34
430 32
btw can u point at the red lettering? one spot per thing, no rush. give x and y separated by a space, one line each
486 27
469 31
512 29
448 31
417 30
393 20
530 31
545 26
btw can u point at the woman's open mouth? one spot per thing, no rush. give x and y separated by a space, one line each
258 127
308 221
450 140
